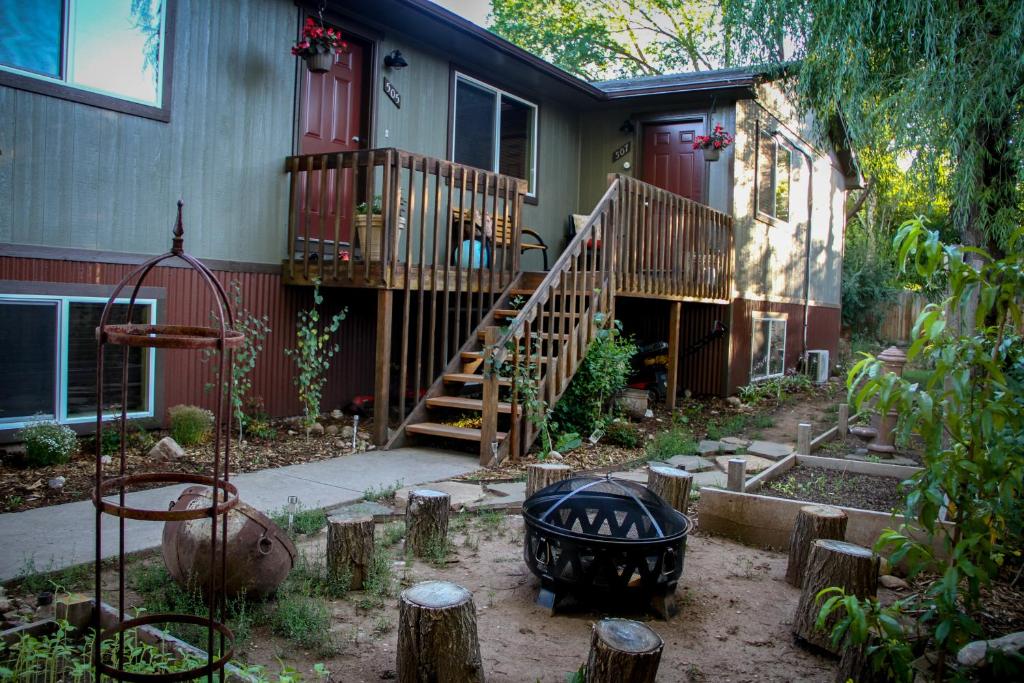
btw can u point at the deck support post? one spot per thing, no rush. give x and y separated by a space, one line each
382 369
675 313
489 414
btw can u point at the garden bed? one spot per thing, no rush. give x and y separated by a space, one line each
850 489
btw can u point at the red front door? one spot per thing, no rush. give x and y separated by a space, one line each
671 162
330 121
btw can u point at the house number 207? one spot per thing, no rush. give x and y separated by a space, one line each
392 93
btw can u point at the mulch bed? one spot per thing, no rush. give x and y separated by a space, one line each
816 485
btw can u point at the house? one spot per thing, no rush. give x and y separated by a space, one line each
420 196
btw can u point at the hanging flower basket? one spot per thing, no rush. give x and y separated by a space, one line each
713 144
318 46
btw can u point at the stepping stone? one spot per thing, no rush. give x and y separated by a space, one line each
639 476
380 513
462 494
714 478
894 460
736 441
507 496
770 449
705 447
690 463
755 463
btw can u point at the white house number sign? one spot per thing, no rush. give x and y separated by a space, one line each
392 93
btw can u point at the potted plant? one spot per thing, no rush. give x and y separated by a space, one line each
376 222
318 46
713 144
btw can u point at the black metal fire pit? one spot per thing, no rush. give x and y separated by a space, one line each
606 540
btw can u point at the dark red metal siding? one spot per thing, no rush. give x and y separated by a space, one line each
184 375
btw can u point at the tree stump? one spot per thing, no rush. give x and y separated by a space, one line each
541 474
426 520
349 549
437 641
832 563
812 522
623 650
671 484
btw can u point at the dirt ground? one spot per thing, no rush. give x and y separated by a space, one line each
733 622
883 494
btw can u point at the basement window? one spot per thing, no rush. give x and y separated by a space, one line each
768 346
494 130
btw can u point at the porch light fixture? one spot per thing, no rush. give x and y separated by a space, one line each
395 60
627 127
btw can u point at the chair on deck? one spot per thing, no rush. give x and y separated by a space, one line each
498 232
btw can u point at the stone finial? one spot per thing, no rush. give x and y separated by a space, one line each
178 242
894 359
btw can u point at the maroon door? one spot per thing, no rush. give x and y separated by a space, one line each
330 121
671 162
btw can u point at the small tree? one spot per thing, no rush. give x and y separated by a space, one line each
313 355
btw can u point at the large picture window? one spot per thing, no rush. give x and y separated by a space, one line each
494 130
50 360
768 346
774 176
108 47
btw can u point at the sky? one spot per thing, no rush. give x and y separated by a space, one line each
474 10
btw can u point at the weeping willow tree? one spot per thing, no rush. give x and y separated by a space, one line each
941 81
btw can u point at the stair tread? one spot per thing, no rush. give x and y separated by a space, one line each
449 431
464 403
468 377
479 355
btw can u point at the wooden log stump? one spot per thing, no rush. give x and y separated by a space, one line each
426 520
437 639
541 474
812 522
832 563
671 484
349 549
623 650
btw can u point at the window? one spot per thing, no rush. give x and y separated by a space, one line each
774 174
50 360
768 346
494 130
108 47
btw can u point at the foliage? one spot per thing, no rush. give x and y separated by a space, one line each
601 375
597 39
623 434
874 627
524 377
718 139
318 40
970 418
675 441
110 440
383 492
568 441
379 582
313 356
304 620
48 443
304 521
190 425
776 389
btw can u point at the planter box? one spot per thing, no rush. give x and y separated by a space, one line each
376 230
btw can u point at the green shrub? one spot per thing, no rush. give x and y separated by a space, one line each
675 441
48 443
304 521
623 434
602 374
190 425
304 620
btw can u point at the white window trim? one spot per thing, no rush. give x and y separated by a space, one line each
777 138
67 55
63 315
776 318
532 180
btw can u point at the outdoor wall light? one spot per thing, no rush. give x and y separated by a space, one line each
395 60
627 127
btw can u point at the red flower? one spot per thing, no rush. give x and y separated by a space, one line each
718 145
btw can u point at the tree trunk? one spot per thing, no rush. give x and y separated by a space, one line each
623 650
671 484
832 563
437 640
349 549
812 522
544 474
426 520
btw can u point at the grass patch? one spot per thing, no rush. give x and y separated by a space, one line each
436 551
305 621
393 533
764 421
35 579
310 577
379 582
676 441
383 492
305 520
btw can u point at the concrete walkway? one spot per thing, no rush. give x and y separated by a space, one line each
63 535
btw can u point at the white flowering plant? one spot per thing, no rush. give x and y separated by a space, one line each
48 443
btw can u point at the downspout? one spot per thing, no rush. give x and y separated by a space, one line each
807 254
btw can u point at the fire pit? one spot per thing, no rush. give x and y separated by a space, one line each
607 539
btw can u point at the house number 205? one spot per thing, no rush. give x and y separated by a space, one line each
392 93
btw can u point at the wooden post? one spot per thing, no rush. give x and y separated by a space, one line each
426 520
437 639
832 563
623 650
541 474
843 429
349 549
674 315
382 368
803 439
489 414
737 474
812 522
671 484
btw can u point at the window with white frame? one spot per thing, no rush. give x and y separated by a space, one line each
494 130
110 47
49 360
768 346
774 175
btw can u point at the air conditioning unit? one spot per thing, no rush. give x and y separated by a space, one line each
817 365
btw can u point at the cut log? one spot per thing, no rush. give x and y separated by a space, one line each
349 549
542 474
437 639
426 521
832 563
623 650
671 484
812 522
